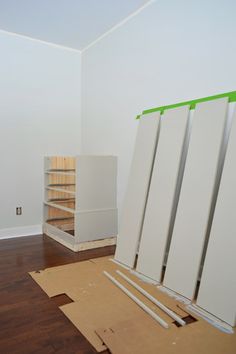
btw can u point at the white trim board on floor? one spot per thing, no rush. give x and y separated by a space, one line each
137 191
217 292
197 193
21 231
164 191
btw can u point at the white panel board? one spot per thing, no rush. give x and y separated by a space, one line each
138 184
96 224
217 293
197 193
161 204
96 181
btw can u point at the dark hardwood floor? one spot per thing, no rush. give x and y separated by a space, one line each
30 322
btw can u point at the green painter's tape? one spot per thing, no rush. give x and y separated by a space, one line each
231 98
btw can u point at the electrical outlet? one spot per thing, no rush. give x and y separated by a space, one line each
18 210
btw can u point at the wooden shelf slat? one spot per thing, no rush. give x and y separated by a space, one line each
53 200
60 184
60 218
60 173
62 170
60 190
57 206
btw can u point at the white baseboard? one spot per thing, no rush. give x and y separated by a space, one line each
21 231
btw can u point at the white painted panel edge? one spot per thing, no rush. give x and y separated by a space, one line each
164 189
138 184
217 292
197 194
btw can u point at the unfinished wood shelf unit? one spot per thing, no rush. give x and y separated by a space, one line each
80 200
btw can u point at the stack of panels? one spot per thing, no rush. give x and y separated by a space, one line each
175 217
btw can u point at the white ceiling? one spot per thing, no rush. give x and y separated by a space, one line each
71 23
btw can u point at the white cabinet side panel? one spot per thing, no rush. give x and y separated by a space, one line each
96 225
217 293
96 182
138 184
162 193
197 192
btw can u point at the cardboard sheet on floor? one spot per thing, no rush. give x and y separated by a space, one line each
108 318
198 338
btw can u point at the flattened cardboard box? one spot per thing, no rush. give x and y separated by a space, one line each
108 318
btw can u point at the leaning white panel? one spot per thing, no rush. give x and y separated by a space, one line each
217 293
197 192
136 195
163 192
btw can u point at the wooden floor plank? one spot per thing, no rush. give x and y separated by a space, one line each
30 322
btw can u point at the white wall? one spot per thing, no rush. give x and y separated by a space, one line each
40 103
170 52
